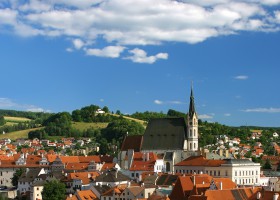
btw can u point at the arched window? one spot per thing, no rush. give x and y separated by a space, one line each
194 146
194 131
190 132
190 146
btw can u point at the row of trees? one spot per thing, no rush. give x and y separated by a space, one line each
88 114
26 114
19 126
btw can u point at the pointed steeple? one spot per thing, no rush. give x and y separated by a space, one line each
192 106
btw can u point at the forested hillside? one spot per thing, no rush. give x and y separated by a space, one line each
108 128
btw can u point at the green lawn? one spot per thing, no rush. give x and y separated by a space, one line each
144 123
18 134
85 125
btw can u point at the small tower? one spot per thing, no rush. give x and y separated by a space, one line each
192 125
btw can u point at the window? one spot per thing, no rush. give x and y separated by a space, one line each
226 173
194 145
132 174
194 132
256 172
37 188
190 132
235 173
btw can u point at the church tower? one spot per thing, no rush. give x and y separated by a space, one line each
192 120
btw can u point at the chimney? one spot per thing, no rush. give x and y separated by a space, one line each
147 156
275 196
221 185
194 180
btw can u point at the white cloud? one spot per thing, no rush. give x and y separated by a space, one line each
37 109
110 51
168 102
6 103
137 22
101 100
158 102
140 56
238 97
78 44
227 114
69 49
205 116
270 2
241 77
263 110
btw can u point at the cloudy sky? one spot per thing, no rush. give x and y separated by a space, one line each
139 55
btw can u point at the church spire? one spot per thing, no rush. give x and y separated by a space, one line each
192 106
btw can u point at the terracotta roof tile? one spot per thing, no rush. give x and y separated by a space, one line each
86 195
200 161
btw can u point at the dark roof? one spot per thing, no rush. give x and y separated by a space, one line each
150 180
30 175
238 161
112 176
165 133
132 142
102 188
166 179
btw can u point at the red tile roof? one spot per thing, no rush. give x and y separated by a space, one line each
200 161
86 195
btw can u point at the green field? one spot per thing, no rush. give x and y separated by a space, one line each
16 119
85 125
18 134
144 123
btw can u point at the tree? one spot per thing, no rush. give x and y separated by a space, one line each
2 120
119 128
267 164
105 109
16 176
54 190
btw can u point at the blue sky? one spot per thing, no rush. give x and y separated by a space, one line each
143 55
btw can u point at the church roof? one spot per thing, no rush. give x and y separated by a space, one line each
192 106
165 134
132 142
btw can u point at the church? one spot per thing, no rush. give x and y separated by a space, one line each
174 139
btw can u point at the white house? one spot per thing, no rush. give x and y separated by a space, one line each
99 111
240 171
